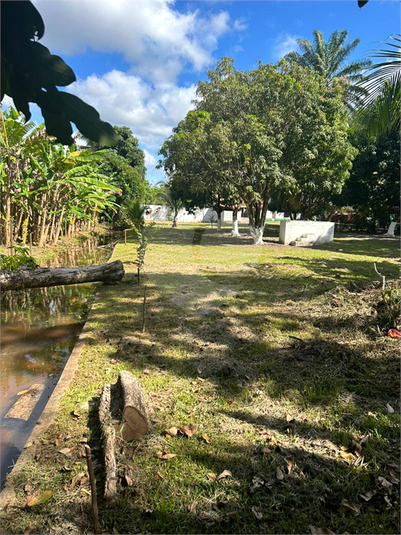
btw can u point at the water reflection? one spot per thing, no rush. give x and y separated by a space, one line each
39 327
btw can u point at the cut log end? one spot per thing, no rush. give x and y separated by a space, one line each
134 410
135 424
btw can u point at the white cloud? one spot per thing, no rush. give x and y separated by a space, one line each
240 25
151 111
156 40
283 44
150 160
151 35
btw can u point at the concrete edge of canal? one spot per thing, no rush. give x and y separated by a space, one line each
8 495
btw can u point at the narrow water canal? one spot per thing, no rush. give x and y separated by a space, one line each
39 328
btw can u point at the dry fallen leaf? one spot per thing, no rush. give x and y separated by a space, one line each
257 483
289 418
165 455
22 392
159 475
188 430
126 481
38 499
29 530
192 506
211 476
266 450
388 501
66 451
257 513
347 456
393 478
206 438
368 495
279 474
172 431
224 474
320 531
28 487
389 408
76 479
386 484
353 508
289 466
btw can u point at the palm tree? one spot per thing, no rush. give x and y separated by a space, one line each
330 61
380 112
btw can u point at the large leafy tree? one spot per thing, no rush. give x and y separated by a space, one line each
30 73
256 132
330 60
373 187
317 154
126 164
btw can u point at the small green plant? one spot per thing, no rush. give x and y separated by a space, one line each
389 308
20 258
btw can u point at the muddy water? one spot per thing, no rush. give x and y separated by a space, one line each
39 328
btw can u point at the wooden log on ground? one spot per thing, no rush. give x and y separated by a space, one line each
135 420
23 407
109 435
43 277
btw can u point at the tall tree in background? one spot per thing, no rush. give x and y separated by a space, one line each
374 184
330 61
170 197
126 164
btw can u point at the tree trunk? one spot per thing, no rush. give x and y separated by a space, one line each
257 234
174 225
235 233
58 227
219 221
43 277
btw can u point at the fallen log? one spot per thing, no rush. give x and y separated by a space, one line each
42 277
135 421
109 436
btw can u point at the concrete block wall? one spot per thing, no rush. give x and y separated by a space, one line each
306 232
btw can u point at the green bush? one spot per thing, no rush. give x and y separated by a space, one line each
20 258
388 308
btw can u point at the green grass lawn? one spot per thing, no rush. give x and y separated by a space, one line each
280 358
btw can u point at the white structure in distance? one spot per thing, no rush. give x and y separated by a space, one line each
157 212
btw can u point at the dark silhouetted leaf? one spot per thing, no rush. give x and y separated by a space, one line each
88 121
51 70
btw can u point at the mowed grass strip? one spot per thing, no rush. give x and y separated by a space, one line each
276 353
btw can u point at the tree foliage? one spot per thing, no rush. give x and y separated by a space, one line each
47 189
30 73
329 59
272 129
125 162
373 187
380 112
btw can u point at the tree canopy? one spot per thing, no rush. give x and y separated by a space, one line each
275 128
329 59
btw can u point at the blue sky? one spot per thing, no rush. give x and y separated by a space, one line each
138 61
